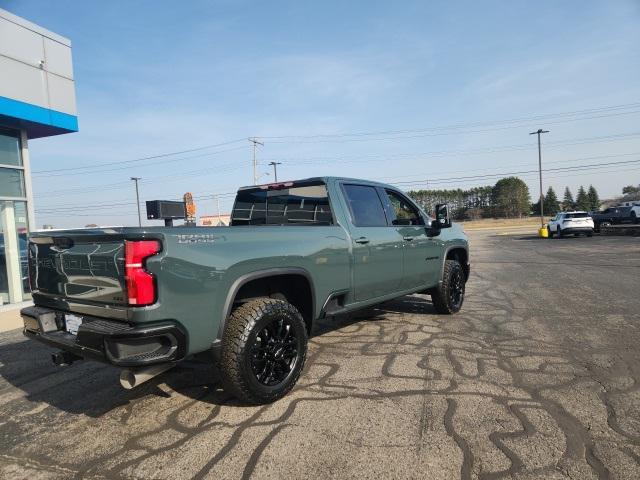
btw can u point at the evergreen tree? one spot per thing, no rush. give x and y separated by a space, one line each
582 200
567 201
594 199
550 202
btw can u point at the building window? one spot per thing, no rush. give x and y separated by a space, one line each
11 182
10 148
14 283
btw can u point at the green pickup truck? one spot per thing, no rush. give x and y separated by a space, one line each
245 296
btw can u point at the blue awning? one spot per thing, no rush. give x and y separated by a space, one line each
37 121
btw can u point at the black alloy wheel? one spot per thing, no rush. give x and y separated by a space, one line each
456 289
263 350
274 352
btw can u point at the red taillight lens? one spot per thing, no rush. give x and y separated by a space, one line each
141 285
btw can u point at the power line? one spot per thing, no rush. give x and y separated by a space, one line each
462 125
506 174
345 159
171 160
161 155
456 153
341 138
404 184
512 123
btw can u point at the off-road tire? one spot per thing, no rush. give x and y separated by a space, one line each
243 325
442 294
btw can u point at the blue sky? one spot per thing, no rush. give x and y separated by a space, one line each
159 77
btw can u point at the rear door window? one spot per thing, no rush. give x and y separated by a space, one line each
365 206
298 205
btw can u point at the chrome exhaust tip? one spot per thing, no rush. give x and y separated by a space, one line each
132 377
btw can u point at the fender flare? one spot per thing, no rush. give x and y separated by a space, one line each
456 246
248 277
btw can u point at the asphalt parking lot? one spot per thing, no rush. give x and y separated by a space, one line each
538 377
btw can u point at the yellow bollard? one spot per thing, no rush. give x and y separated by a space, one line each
543 232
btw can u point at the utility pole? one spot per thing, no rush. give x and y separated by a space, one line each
135 179
275 169
217 197
255 164
539 132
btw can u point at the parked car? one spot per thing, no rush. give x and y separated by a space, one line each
613 216
635 210
246 295
570 223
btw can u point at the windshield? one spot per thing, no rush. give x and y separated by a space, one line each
305 204
576 215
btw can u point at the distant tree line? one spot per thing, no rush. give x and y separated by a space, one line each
586 200
508 198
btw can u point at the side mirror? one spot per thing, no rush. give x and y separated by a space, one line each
442 215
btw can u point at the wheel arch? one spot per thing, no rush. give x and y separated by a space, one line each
272 281
459 253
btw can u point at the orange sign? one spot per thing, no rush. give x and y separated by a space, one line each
190 207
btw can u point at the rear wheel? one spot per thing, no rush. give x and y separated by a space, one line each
634 217
263 350
449 295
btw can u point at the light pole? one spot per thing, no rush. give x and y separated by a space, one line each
135 179
255 164
539 132
275 169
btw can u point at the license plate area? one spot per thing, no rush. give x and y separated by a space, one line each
72 323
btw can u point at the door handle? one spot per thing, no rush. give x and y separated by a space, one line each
407 238
362 240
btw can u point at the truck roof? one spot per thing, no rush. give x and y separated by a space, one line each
325 179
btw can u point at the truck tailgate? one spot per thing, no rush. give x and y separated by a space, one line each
83 268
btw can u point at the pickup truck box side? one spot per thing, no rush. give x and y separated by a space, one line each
203 274
612 216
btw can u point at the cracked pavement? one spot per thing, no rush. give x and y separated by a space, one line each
537 377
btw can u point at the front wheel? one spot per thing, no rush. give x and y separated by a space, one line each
448 296
549 233
263 350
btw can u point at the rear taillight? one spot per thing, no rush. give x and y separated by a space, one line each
141 285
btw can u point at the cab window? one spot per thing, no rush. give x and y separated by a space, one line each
365 206
401 211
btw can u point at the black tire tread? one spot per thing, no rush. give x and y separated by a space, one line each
440 294
237 330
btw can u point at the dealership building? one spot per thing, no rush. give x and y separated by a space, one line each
37 99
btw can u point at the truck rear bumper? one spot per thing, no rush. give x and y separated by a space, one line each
109 341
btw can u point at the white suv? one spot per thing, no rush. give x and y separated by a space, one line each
566 223
635 210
